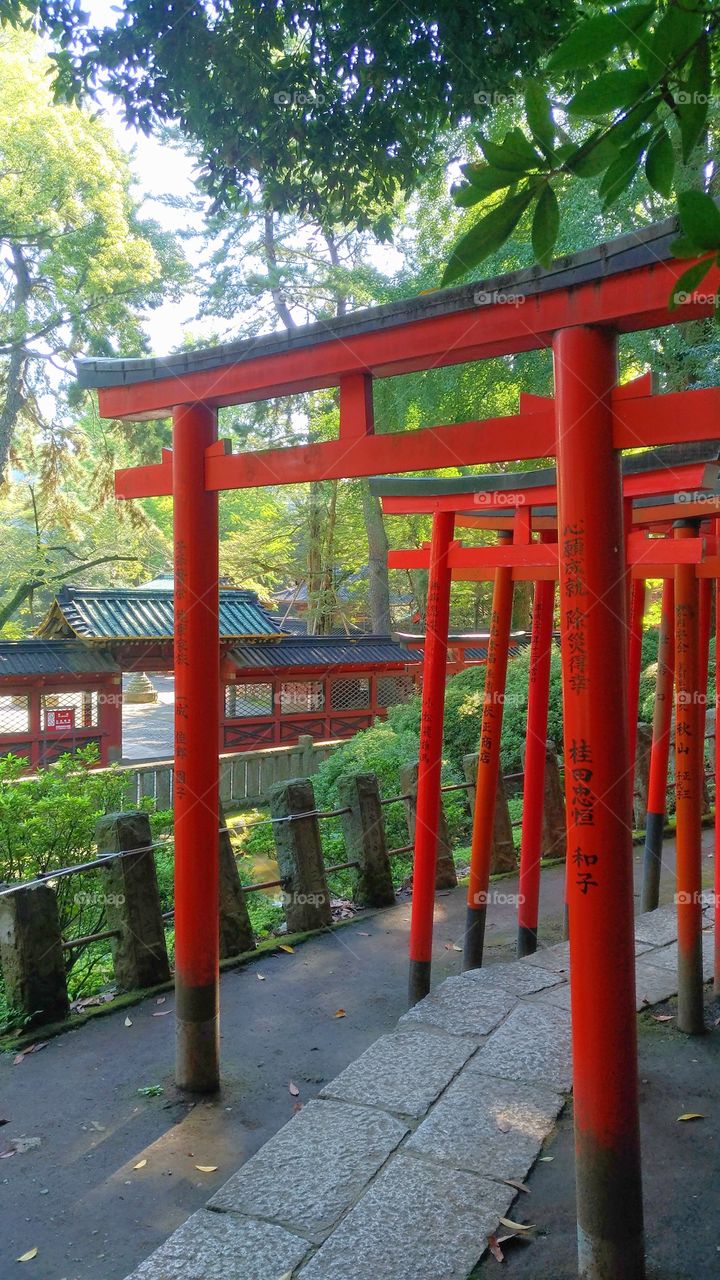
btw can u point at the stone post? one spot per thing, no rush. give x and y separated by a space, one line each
365 840
445 873
31 955
554 837
236 933
132 901
306 745
641 781
299 854
504 856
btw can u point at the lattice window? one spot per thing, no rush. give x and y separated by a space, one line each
14 713
67 710
394 689
298 696
352 694
243 700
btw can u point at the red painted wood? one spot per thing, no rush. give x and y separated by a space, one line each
636 299
600 885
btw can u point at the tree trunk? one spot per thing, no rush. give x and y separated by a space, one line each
16 365
378 580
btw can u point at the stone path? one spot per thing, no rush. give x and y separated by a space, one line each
396 1171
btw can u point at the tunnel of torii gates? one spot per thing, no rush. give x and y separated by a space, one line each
578 307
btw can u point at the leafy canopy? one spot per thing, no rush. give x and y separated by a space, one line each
336 105
629 91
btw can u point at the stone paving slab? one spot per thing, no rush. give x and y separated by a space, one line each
488 1125
516 976
667 957
314 1168
559 997
657 927
463 1008
555 958
404 1072
220 1246
653 984
417 1221
533 1044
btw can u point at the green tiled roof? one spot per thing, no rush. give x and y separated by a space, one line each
121 613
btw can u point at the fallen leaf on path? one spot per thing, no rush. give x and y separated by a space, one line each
293 1089
28 1257
362 934
339 1013
140 1164
547 1159
519 1186
261 977
494 1247
33 1048
207 1168
517 1226
663 1017
128 1022
284 946
691 1115
164 1013
160 1000
3 1121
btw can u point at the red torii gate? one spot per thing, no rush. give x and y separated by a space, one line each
656 477
577 307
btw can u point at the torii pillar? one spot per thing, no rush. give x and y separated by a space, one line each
593 601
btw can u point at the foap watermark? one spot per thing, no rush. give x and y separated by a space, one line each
289 899
701 299
488 297
497 498
298 98
99 899
694 699
493 98
697 499
497 898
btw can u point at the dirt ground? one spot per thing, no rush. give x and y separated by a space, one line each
681 1166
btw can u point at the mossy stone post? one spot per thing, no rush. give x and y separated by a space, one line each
306 896
445 873
306 743
554 836
132 901
503 856
641 780
365 840
31 955
236 933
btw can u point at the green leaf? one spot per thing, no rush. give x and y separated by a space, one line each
699 219
514 152
481 183
628 124
545 227
539 115
674 36
621 172
689 281
593 157
660 163
608 92
683 248
692 102
593 39
488 234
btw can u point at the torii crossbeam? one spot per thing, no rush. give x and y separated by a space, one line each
578 307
